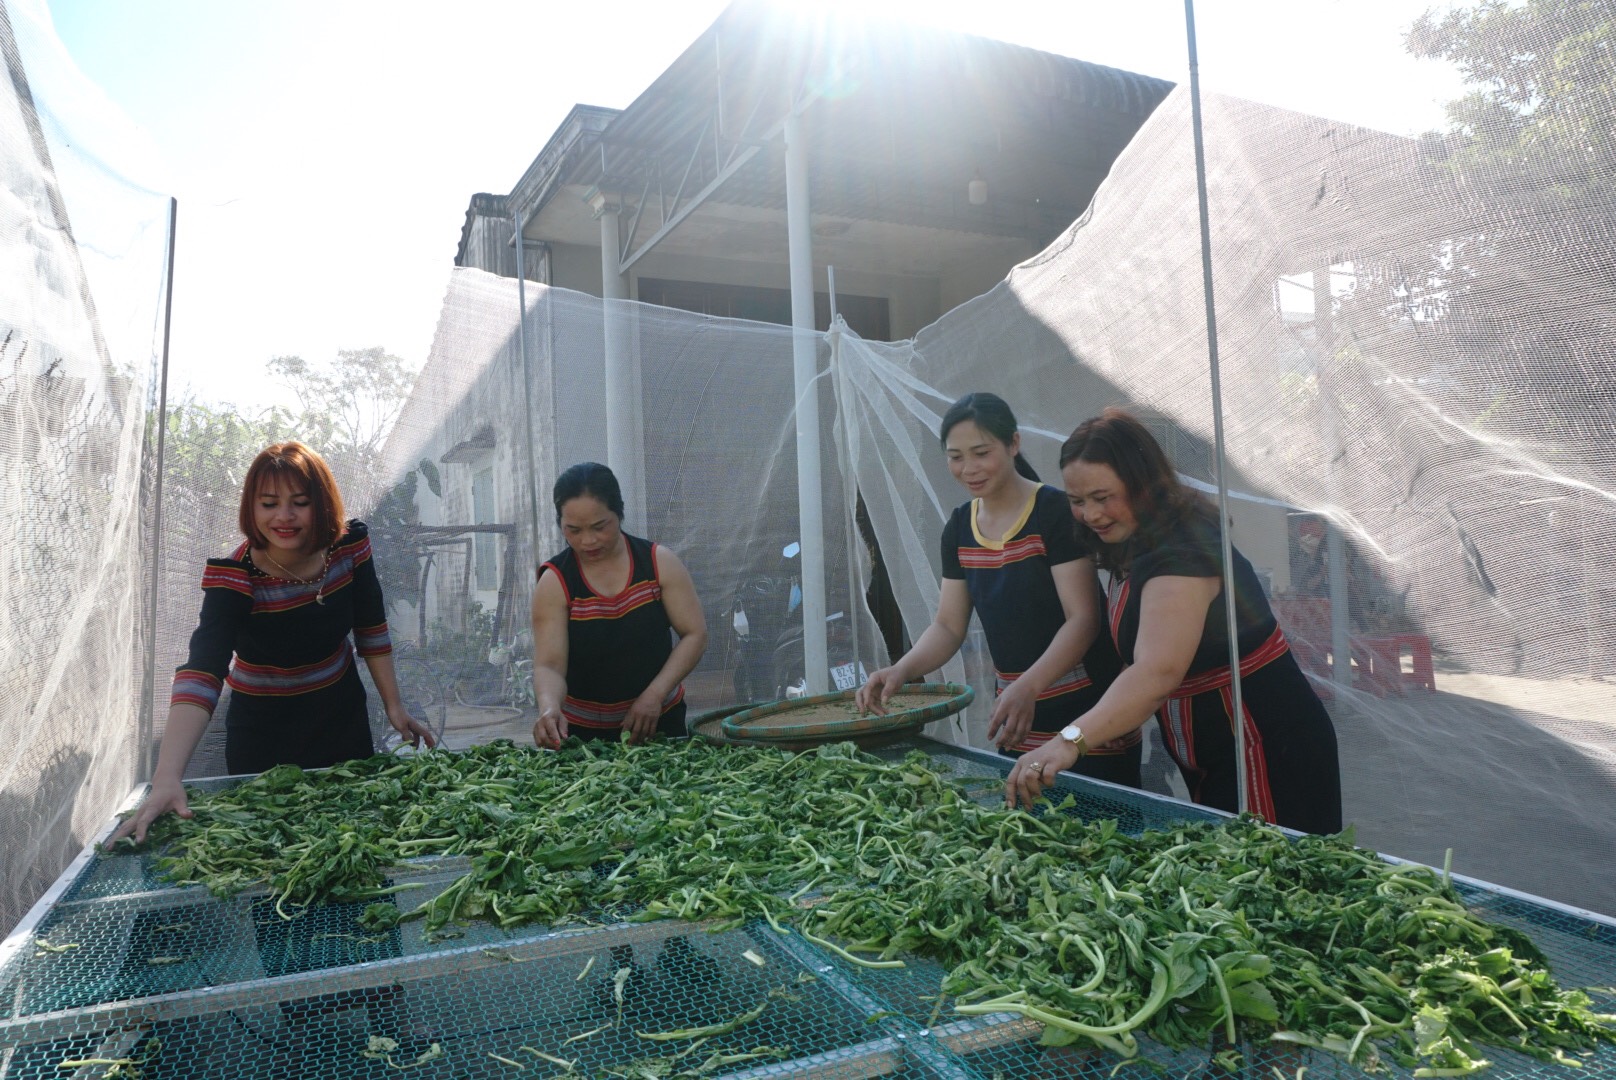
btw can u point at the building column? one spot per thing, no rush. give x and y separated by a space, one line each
625 430
805 366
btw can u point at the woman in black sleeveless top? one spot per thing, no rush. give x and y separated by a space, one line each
604 614
1160 543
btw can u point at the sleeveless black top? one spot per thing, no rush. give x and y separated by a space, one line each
615 644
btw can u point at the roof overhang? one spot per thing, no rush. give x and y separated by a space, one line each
899 121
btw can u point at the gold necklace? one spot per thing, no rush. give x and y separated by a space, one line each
318 582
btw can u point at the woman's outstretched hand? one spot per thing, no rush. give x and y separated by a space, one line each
410 729
1036 770
163 797
877 690
549 729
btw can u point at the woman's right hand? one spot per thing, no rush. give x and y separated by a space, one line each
549 729
164 796
878 689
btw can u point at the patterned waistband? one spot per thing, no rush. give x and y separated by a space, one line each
1076 679
267 681
1216 679
607 715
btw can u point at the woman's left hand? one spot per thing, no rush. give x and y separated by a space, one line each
641 721
1012 715
1035 770
409 728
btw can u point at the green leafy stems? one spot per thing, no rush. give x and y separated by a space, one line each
1229 930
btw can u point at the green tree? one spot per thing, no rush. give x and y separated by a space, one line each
207 449
1542 78
1514 283
345 410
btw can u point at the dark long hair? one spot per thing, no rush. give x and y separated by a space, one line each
588 478
992 415
1158 499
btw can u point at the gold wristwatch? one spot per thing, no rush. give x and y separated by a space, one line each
1073 736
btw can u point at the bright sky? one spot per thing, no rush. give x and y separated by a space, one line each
323 152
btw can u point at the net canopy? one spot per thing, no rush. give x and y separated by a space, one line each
1416 400
82 251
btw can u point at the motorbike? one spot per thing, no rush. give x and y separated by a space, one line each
769 651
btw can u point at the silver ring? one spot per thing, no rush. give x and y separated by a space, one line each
1037 767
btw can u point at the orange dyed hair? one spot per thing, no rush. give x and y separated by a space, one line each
303 469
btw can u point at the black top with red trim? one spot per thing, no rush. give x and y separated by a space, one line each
276 638
1290 767
1012 587
1194 550
615 644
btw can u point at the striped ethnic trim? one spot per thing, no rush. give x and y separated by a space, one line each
373 640
267 681
635 596
1013 552
1076 679
604 716
192 687
233 578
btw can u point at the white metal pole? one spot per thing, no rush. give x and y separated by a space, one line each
1230 623
844 417
148 704
805 356
623 438
1335 546
526 369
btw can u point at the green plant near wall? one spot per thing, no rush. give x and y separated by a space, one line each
463 650
515 660
519 683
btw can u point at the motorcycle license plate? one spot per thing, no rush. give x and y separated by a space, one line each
848 676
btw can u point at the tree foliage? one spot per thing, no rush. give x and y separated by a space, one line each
207 449
1543 89
344 410
1519 268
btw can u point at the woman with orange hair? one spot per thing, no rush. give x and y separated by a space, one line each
277 617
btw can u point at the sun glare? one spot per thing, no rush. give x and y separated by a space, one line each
945 14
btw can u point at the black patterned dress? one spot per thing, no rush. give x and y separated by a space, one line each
1012 588
615 645
1293 777
286 649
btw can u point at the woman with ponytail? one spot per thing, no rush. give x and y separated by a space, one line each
1011 554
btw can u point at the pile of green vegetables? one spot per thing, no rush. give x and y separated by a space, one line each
1179 935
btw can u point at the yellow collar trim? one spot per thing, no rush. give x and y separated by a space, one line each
998 545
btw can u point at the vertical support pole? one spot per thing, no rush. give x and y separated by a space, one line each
1335 545
1229 604
148 690
527 389
844 418
624 431
804 356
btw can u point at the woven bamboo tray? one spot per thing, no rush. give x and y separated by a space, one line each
710 728
834 717
709 725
